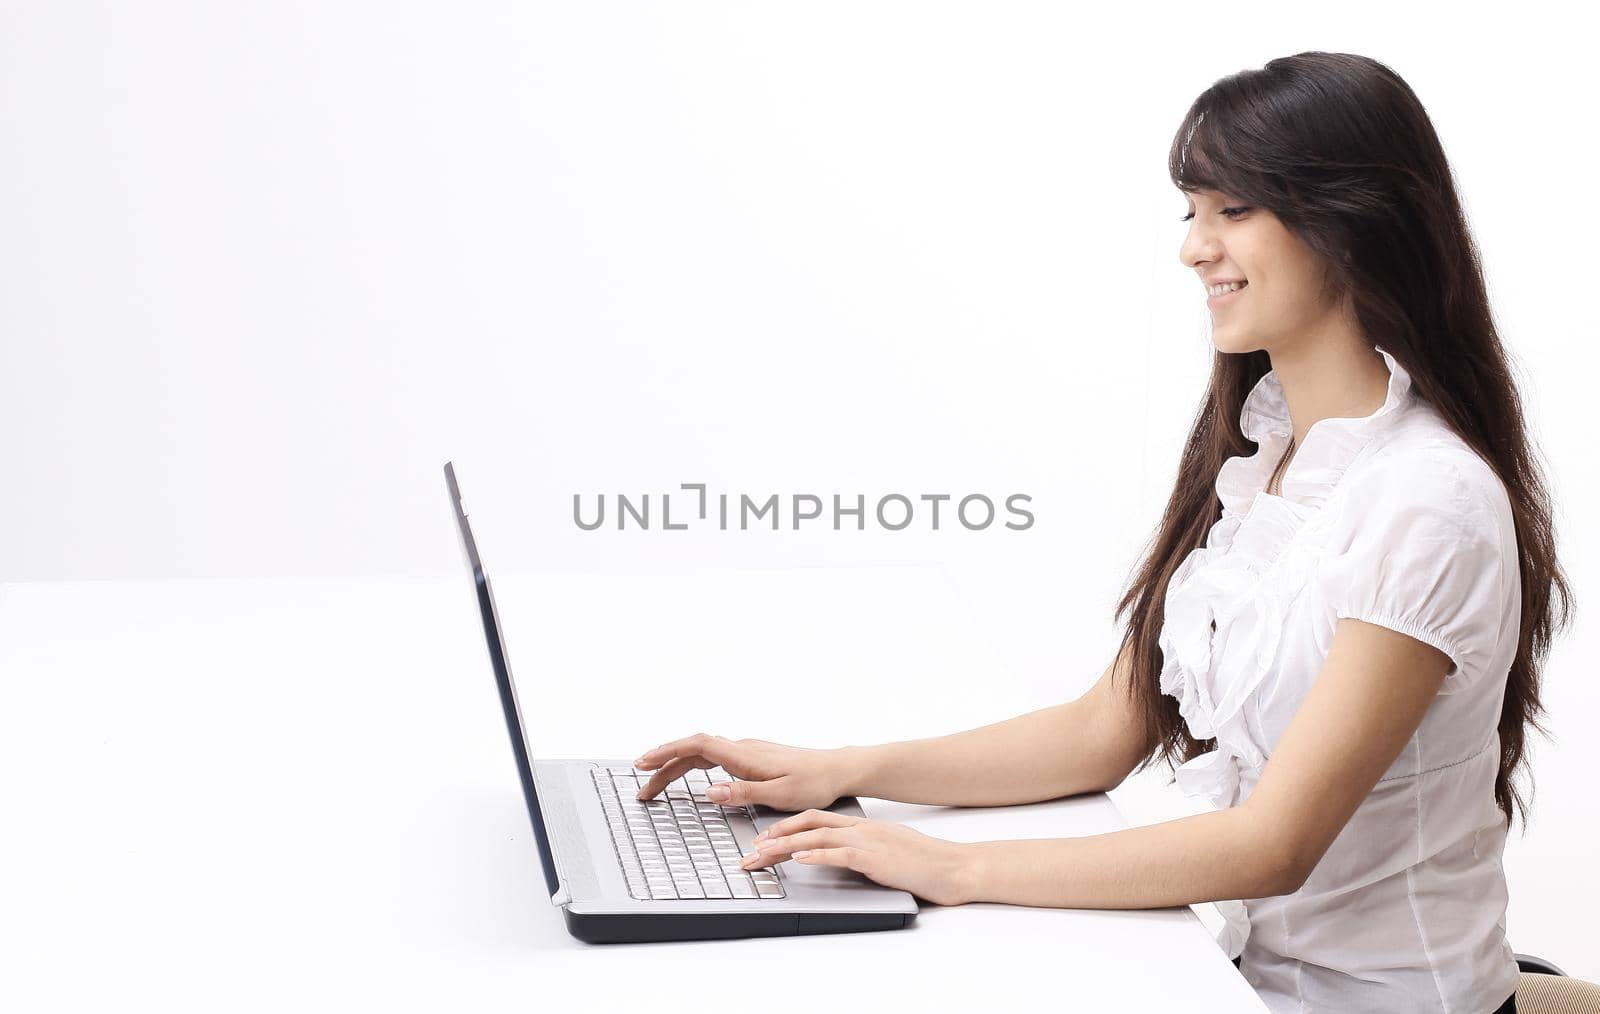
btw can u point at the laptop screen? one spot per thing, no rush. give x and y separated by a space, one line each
502 675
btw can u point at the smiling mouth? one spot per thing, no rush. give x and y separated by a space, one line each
1226 297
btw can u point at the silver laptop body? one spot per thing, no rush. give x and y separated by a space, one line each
665 869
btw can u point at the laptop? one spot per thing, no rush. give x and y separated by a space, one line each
623 870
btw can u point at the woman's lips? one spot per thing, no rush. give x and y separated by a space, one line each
1225 298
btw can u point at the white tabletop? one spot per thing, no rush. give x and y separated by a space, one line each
268 794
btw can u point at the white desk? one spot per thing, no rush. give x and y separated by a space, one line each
281 794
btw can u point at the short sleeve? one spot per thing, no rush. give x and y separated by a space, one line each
1420 551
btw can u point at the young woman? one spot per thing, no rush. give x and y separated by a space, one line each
1340 627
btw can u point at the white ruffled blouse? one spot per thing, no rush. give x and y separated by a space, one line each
1395 520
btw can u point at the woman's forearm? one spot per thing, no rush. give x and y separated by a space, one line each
1212 856
1057 751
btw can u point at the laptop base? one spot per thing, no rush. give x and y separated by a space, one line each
644 928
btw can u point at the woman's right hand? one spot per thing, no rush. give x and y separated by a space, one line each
788 778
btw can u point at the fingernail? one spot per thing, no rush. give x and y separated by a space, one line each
761 837
717 792
802 853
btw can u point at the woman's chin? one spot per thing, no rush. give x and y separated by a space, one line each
1229 345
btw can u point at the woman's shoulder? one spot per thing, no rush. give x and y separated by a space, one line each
1424 541
1423 464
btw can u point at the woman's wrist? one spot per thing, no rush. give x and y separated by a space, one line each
853 766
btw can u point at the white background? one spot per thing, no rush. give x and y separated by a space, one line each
264 267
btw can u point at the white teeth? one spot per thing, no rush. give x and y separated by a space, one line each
1218 290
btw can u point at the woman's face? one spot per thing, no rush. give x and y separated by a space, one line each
1280 303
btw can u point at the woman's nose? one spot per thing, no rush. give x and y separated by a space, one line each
1199 246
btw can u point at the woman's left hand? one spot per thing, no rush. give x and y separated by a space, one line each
892 854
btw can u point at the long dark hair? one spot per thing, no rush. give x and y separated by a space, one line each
1339 148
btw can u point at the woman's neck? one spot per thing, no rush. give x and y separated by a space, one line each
1329 379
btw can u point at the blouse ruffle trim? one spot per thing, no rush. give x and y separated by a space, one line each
1228 574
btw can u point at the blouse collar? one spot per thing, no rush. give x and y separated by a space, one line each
1330 446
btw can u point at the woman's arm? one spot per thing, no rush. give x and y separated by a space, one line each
1369 699
1085 745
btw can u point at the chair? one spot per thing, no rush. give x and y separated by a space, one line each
1546 989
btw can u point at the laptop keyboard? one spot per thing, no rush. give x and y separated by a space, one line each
678 845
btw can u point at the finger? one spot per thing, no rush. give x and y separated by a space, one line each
808 819
673 770
745 791
777 850
688 746
850 857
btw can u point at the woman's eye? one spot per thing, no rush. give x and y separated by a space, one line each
1230 212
